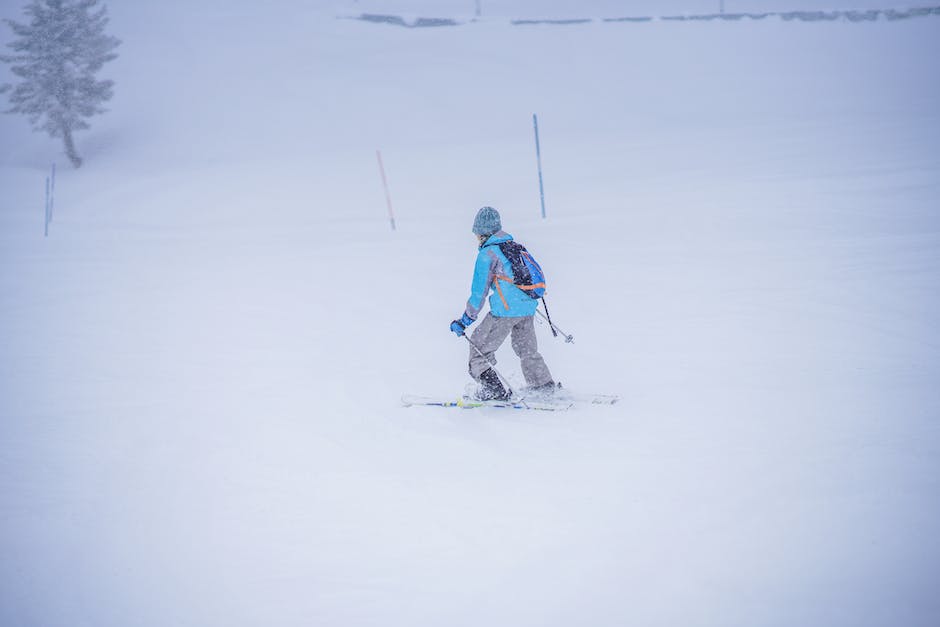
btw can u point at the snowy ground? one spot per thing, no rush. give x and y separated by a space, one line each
200 368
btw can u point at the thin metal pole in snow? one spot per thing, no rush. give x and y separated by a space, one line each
538 157
388 197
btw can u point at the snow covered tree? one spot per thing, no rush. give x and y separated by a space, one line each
57 55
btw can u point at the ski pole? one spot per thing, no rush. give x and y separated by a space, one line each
491 362
555 329
548 316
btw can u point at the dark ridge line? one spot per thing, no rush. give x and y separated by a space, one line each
395 20
574 21
851 15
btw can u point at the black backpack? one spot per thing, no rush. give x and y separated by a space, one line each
526 272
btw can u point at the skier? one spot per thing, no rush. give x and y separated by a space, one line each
511 313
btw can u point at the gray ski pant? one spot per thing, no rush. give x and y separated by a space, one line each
490 335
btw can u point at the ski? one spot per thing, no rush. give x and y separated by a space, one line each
564 394
411 400
592 399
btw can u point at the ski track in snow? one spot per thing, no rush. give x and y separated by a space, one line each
200 368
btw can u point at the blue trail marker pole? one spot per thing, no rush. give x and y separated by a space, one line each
538 157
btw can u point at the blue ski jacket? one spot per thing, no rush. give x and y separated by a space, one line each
493 270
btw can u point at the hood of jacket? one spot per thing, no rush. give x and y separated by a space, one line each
496 238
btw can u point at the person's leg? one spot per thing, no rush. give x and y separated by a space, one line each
488 337
526 346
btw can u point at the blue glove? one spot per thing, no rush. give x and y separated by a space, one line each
459 326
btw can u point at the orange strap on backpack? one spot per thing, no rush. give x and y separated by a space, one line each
498 277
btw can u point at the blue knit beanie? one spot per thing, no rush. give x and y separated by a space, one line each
487 221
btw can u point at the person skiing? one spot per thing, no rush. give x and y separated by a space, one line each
511 313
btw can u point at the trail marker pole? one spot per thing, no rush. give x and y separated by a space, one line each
388 197
538 157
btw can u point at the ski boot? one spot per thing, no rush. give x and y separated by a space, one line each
544 392
491 388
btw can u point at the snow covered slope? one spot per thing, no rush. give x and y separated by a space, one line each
200 367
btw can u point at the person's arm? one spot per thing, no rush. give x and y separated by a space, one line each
482 278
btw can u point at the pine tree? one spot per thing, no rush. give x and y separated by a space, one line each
57 55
